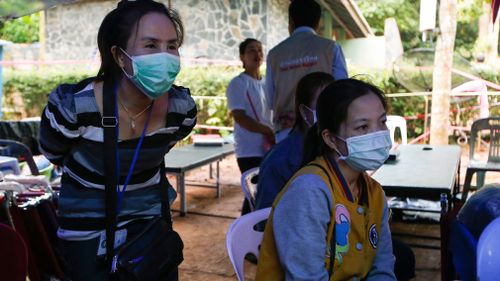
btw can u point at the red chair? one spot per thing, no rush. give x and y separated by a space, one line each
13 255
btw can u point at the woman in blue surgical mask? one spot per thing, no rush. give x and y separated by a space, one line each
139 46
330 222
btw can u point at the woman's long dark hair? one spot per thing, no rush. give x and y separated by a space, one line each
117 26
331 110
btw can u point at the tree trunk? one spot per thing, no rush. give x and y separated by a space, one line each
441 77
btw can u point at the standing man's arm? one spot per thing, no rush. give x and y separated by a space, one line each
339 68
269 85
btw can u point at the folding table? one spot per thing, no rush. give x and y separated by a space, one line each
185 158
422 171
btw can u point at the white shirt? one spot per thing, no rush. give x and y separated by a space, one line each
248 144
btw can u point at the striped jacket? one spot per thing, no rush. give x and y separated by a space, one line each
71 135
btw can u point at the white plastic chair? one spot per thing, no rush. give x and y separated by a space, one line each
242 238
488 253
249 185
395 121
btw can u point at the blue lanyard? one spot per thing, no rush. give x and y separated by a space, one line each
121 193
341 178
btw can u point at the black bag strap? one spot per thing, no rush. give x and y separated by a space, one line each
109 122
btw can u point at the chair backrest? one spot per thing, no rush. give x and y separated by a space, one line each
13 255
488 253
242 238
249 185
20 151
393 122
493 125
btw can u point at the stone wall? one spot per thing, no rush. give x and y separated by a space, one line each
213 28
277 24
71 29
29 52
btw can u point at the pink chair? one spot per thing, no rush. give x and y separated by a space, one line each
242 238
13 255
488 253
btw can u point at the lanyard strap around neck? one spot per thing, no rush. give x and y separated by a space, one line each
121 192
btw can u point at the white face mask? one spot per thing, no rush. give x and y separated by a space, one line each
367 152
314 116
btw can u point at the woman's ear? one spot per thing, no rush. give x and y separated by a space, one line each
117 56
329 139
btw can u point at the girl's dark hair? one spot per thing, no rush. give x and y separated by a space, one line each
305 90
331 110
117 26
244 44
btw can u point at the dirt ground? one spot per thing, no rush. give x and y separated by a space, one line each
204 228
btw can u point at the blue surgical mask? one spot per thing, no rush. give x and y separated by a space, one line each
367 152
154 74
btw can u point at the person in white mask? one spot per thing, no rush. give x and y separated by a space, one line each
330 222
285 158
139 46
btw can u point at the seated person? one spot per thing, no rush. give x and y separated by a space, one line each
319 227
479 211
285 157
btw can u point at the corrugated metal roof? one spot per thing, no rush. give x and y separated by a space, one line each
348 16
10 9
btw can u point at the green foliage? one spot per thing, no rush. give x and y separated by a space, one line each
33 87
469 12
210 81
21 30
407 13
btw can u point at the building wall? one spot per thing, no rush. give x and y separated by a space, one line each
356 55
71 29
277 22
213 28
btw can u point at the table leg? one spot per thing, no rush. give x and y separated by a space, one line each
210 171
217 180
182 191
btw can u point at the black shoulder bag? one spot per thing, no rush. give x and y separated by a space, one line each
156 252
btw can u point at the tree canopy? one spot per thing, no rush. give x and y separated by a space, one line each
21 30
406 14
